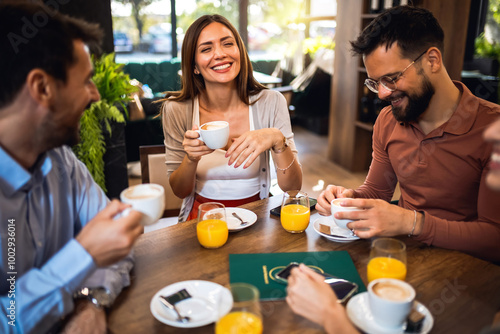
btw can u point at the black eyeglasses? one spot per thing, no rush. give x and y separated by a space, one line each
388 82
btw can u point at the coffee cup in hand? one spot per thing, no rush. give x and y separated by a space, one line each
214 134
336 207
148 198
390 301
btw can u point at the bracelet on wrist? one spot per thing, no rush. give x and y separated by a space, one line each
414 223
285 169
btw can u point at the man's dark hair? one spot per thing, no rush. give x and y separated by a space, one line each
413 29
33 35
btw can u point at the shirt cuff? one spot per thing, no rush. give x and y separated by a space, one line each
427 231
114 278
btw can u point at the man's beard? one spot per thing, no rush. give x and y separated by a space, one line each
417 103
56 136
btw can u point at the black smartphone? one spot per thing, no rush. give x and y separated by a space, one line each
344 289
277 210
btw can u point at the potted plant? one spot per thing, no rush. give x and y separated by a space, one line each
488 55
97 121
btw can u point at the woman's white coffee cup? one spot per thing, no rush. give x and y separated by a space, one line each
214 134
390 301
148 198
336 207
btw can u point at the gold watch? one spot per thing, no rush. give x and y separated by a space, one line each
282 148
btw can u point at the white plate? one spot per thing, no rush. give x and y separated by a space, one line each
234 224
338 234
358 310
209 300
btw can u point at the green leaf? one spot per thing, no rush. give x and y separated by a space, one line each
115 88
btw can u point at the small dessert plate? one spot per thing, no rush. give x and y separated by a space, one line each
358 310
208 301
234 224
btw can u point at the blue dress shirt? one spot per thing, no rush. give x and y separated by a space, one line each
41 263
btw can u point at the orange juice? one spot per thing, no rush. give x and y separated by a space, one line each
212 233
239 323
386 267
295 217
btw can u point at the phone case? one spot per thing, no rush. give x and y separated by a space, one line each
277 210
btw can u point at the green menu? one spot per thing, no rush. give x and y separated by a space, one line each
260 269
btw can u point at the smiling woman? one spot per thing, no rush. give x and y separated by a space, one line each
218 85
217 55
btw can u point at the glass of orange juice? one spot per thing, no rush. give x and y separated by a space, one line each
295 211
211 228
387 259
245 316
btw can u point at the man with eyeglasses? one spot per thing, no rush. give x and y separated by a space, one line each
429 139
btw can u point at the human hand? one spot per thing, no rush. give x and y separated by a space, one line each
86 319
328 195
108 240
309 296
251 144
379 218
195 148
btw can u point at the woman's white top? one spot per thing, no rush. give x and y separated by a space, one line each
215 179
269 110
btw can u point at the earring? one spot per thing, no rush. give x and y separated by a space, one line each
196 71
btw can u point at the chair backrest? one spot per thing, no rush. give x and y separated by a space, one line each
287 92
154 170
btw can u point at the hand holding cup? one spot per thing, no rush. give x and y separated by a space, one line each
148 198
214 134
336 207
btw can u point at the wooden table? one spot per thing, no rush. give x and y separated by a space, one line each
462 292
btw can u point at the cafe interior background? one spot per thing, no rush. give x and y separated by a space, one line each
299 47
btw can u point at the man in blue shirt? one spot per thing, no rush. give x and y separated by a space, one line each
57 228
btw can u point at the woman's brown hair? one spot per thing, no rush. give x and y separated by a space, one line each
192 84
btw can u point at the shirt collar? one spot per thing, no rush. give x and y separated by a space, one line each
13 176
463 117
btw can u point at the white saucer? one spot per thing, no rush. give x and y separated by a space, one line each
234 224
360 314
208 302
338 234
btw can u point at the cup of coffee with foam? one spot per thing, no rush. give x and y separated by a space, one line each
148 198
390 301
336 207
214 134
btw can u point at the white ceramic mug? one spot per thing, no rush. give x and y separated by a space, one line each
214 134
390 301
336 207
148 198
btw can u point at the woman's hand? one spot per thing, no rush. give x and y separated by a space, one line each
194 147
251 144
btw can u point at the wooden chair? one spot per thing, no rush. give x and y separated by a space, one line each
153 170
